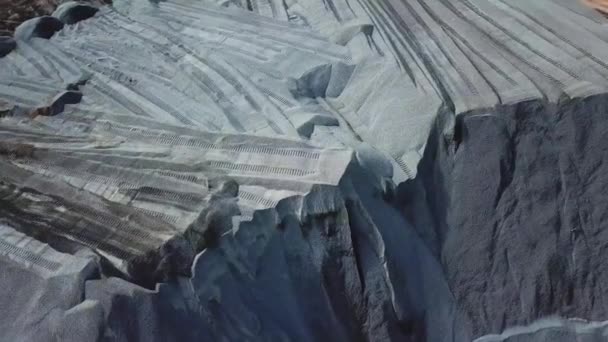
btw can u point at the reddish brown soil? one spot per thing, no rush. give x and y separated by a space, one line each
600 5
14 12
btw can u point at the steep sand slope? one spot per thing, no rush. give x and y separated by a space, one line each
310 170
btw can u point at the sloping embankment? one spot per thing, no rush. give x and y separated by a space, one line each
341 170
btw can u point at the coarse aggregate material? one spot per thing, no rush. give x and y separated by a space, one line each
305 170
